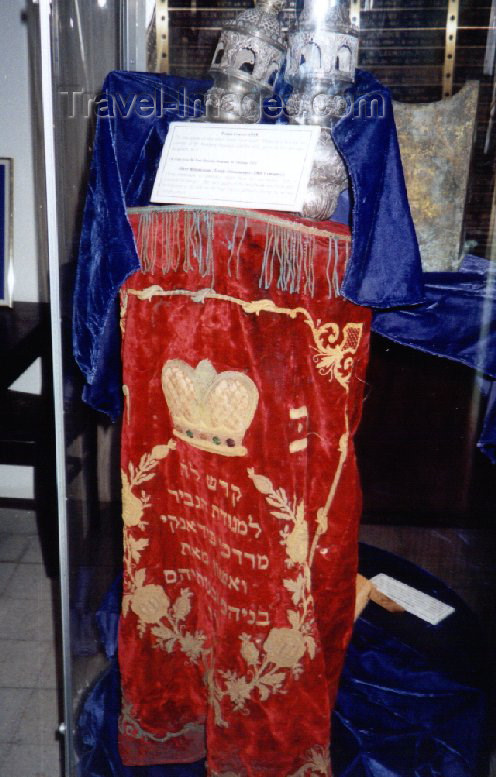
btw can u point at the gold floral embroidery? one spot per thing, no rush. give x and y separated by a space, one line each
318 763
210 410
335 349
167 636
134 506
295 537
152 606
150 602
129 726
133 509
215 695
284 648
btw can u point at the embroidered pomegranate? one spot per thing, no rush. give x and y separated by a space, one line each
160 451
260 482
150 603
284 647
132 507
249 651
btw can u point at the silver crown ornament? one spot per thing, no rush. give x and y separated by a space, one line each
321 62
245 64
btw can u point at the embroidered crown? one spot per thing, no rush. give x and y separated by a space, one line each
209 410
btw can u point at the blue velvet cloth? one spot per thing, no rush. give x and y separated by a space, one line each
487 439
126 153
411 699
384 269
457 320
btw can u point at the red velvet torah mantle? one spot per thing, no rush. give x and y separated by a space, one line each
243 377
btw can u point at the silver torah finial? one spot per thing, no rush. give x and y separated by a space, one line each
322 57
245 64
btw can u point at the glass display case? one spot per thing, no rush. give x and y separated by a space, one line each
426 443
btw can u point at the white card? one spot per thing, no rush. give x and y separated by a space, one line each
415 602
258 166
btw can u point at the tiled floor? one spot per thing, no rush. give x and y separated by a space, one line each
29 713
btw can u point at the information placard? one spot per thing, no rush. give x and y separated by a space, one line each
257 166
416 602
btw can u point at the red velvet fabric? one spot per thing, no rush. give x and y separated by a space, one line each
241 498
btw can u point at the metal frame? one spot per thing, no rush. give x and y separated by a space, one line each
162 34
66 727
450 47
7 254
133 35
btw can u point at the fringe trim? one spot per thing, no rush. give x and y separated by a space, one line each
293 255
172 240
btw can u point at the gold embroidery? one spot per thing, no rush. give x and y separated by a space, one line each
168 636
334 355
127 397
149 602
283 648
133 506
211 446
296 413
210 410
296 446
133 509
318 763
215 695
323 512
123 311
299 414
129 726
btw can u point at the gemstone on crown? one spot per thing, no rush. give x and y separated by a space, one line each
210 410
